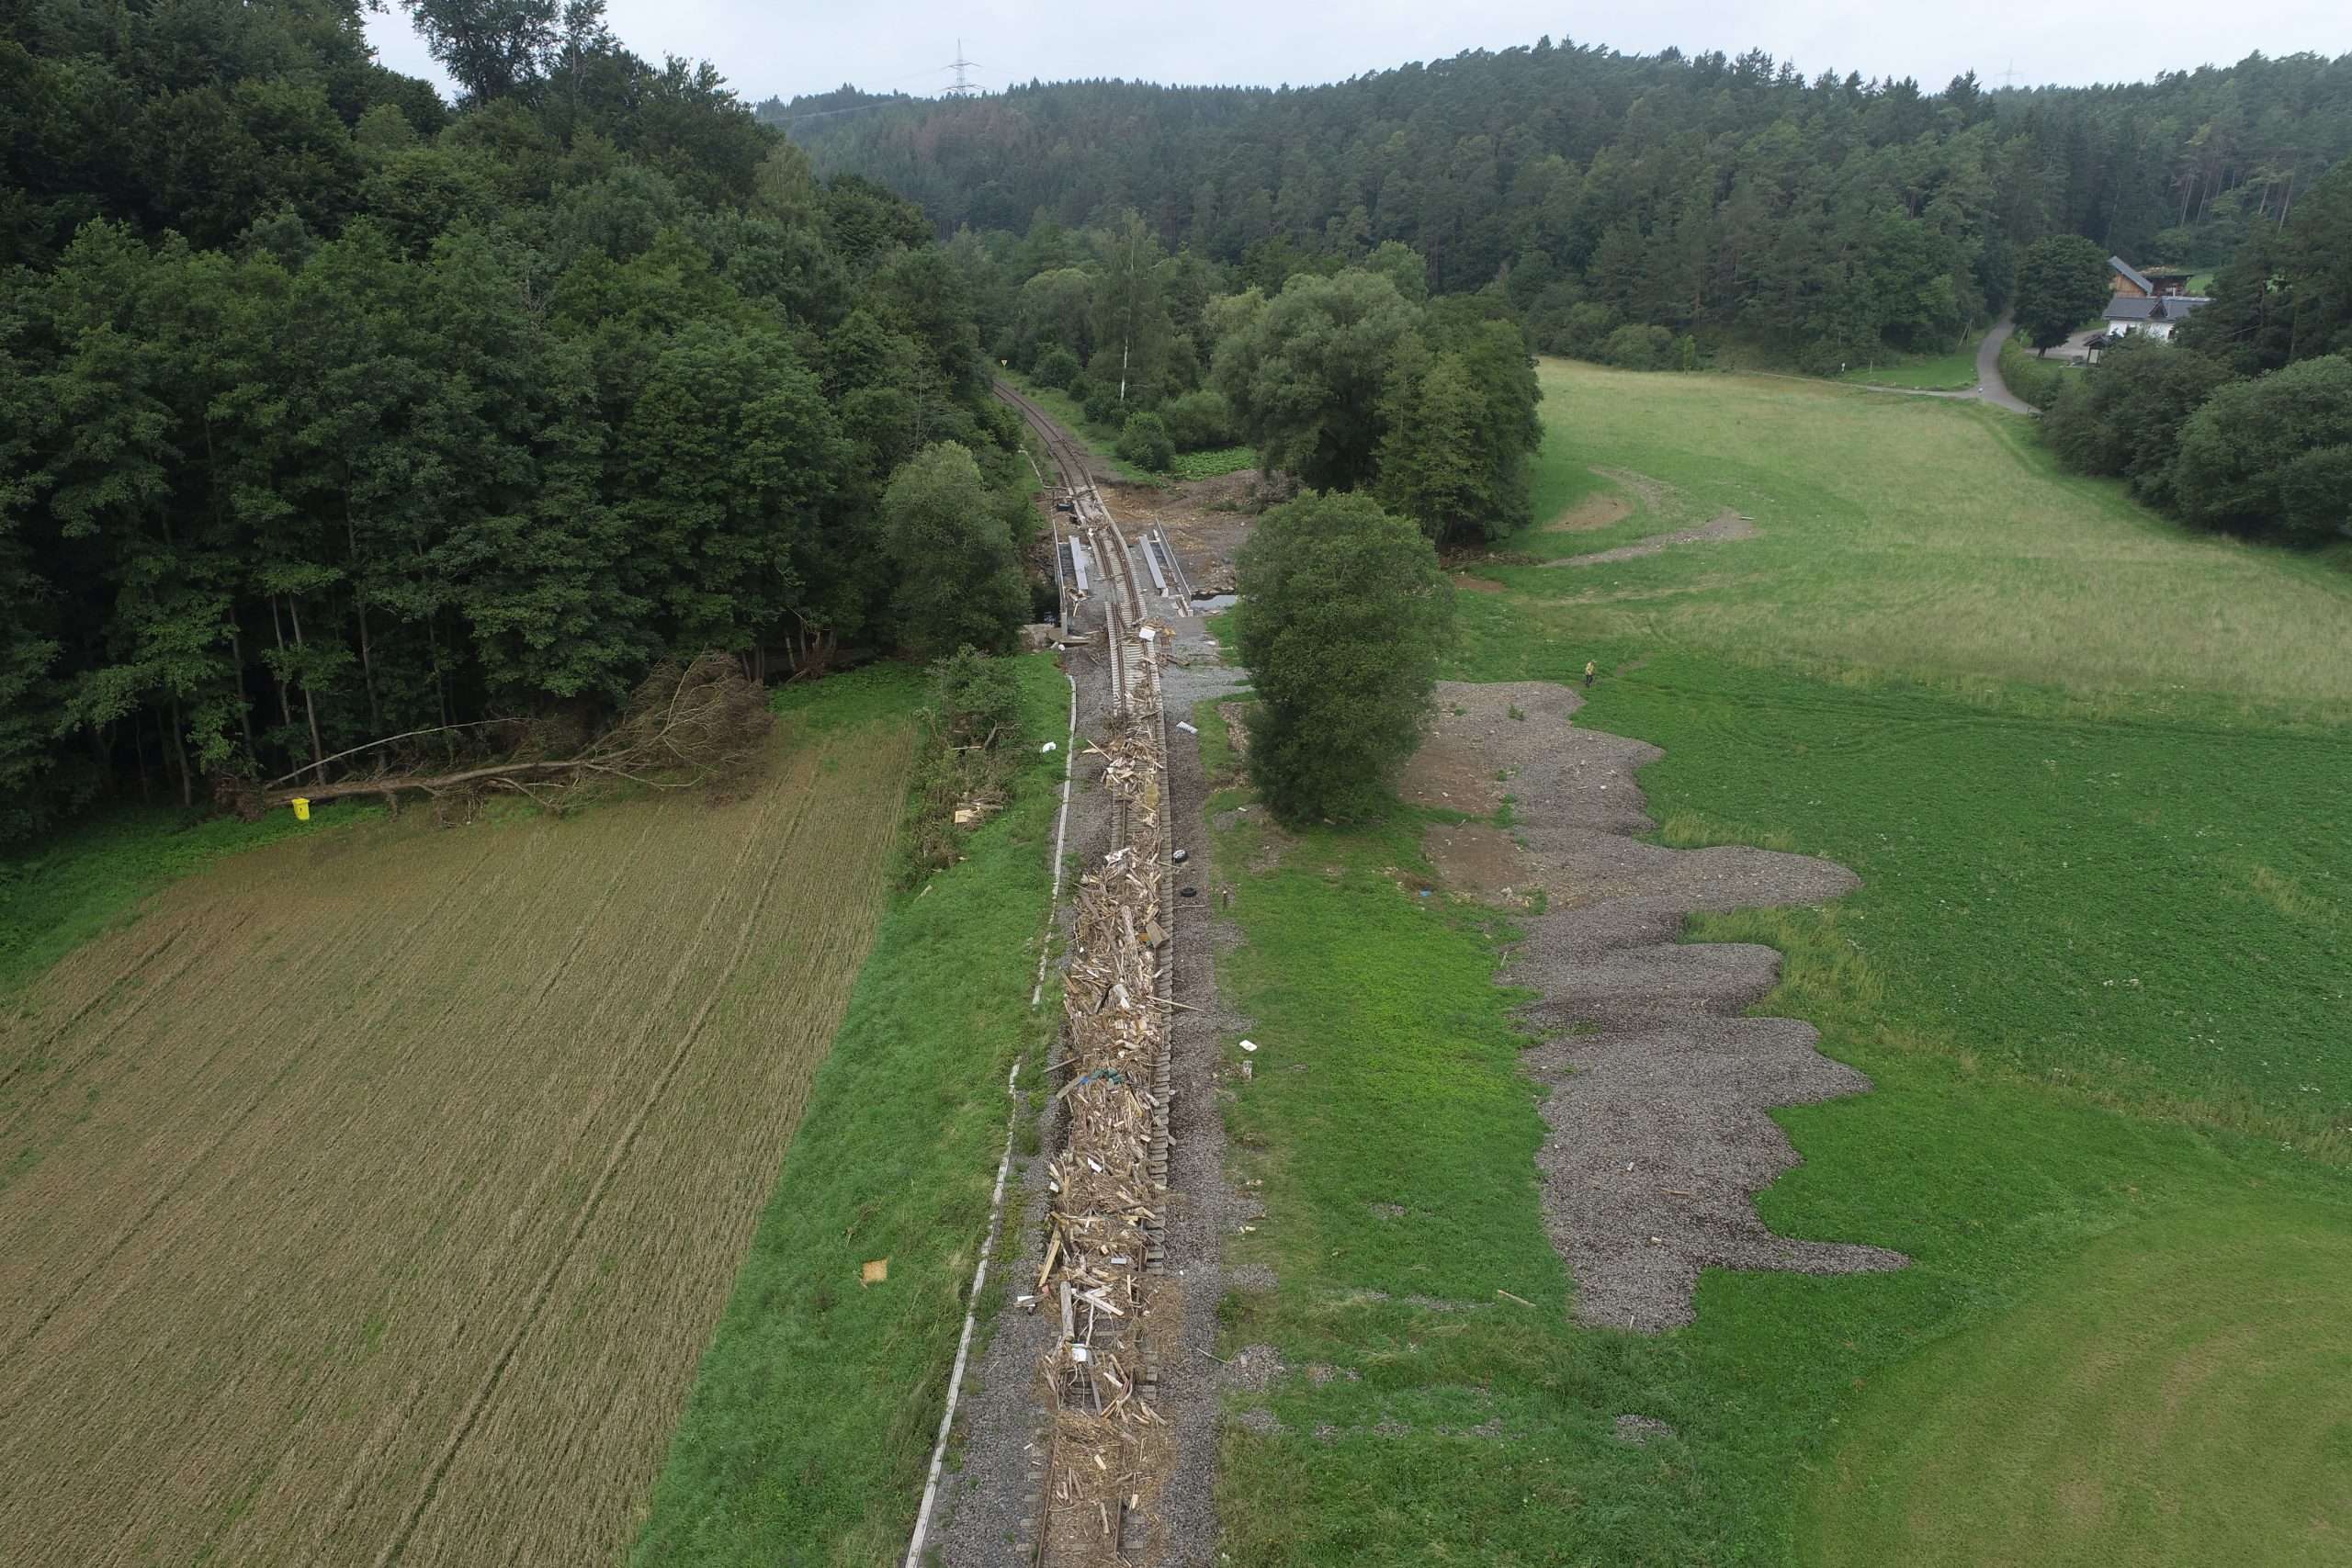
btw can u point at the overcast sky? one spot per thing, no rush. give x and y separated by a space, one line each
798 47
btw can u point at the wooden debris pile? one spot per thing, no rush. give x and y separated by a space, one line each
1105 1208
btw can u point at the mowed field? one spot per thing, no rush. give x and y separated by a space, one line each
2090 769
371 1199
1913 538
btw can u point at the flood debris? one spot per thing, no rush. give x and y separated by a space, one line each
1109 1180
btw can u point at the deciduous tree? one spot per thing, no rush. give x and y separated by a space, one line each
2273 455
1342 616
960 579
1305 374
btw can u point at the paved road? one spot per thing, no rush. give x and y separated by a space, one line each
1990 388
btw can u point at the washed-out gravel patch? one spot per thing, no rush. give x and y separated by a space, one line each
1639 1429
1661 1088
1476 861
1723 525
1593 513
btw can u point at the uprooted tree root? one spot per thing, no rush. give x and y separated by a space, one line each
682 728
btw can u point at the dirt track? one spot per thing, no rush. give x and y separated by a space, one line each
1659 1086
375 1196
1723 525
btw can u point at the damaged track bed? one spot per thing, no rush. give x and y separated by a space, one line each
1104 1448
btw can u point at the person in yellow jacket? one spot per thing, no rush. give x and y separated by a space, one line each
1588 674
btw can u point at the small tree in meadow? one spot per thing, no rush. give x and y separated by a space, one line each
1342 616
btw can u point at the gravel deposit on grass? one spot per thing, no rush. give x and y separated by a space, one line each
1723 525
1660 1087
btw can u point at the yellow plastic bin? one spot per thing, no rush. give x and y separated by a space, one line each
301 808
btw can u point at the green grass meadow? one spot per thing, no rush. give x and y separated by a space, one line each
812 1421
1907 538
2092 774
1950 372
2210 1333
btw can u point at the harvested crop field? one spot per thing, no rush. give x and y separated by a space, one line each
372 1198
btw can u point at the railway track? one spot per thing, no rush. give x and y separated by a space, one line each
1123 606
1131 662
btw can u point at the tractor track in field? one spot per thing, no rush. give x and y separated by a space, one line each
124 1236
97 998
453 1004
517 1120
133 977
781 836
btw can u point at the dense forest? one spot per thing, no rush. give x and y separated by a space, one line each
329 412
1344 378
1658 212
1821 220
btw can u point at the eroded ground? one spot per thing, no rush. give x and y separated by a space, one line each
1660 1086
1207 520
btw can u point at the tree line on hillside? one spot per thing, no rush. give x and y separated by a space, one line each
2242 421
329 412
1822 220
1346 378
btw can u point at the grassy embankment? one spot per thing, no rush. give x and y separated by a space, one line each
1101 442
2083 762
811 1420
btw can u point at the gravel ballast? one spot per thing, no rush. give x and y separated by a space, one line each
1203 1206
988 1503
1659 1088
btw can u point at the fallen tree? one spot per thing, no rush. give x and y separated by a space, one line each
682 728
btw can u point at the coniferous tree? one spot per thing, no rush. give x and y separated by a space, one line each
2061 283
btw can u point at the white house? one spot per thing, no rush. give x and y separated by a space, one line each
2155 316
